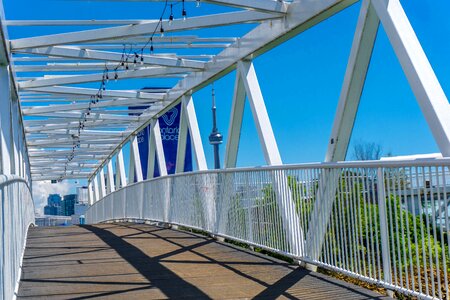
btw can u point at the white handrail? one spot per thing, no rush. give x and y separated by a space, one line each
385 222
16 216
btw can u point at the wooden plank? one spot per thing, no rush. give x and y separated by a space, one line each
131 261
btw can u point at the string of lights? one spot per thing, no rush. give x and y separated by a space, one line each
134 55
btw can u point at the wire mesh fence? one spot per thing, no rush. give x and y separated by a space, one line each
383 222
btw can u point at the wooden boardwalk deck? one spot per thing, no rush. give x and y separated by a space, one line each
137 261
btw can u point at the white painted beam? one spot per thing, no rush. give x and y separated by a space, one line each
197 145
6 156
90 193
234 128
108 103
355 76
131 165
96 189
89 54
111 185
121 169
77 91
182 140
16 23
260 115
76 79
421 77
159 149
141 29
136 159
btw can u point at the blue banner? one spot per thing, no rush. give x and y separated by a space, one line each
169 124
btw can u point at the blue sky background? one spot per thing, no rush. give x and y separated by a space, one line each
300 80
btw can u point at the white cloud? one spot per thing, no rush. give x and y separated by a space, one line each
41 190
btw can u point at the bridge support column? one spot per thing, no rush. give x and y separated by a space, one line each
357 67
247 84
188 120
90 193
135 163
421 77
110 174
5 121
96 190
156 148
102 183
121 178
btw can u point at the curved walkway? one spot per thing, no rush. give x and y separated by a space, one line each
138 261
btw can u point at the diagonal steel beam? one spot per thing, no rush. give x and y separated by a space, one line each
65 90
141 29
139 73
89 54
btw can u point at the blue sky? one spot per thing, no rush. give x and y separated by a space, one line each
300 80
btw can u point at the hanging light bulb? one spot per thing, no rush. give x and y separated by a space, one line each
161 29
171 15
116 76
142 56
183 12
151 49
107 77
197 3
135 59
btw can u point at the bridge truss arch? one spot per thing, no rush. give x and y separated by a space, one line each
63 138
85 132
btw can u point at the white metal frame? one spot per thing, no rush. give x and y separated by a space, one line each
429 94
156 149
89 49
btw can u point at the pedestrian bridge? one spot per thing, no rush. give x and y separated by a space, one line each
162 225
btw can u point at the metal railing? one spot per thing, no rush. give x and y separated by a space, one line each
16 216
386 223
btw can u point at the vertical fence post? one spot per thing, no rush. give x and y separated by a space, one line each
2 244
385 252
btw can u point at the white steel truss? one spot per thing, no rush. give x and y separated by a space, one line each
80 128
423 82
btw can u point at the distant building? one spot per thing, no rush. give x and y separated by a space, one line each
68 204
79 215
54 200
82 193
50 210
53 206
80 209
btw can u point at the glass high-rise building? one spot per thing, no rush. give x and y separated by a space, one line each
68 204
53 206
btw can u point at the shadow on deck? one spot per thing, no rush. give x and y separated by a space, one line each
130 261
